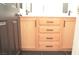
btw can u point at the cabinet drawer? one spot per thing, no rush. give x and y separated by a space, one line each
49 29
49 37
51 21
49 45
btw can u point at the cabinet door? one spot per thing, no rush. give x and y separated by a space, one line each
3 37
9 36
27 32
13 35
16 34
68 34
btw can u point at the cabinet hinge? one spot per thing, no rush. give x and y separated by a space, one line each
35 23
64 23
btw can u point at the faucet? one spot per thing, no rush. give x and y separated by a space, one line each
69 12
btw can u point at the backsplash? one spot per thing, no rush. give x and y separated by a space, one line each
8 9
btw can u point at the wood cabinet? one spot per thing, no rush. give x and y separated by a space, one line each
9 36
68 33
47 33
27 32
50 33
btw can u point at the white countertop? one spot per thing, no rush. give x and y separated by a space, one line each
48 16
61 15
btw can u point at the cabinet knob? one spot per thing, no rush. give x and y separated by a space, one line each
49 46
50 22
49 29
2 23
64 23
35 23
14 21
49 38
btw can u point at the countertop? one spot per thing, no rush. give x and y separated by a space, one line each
65 18
9 18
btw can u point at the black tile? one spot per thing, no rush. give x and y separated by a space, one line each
53 53
30 53
45 53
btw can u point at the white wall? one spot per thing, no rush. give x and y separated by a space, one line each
9 1
75 50
47 7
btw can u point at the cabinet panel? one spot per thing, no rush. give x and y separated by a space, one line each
49 33
3 37
27 32
68 34
16 35
51 21
49 37
9 37
14 40
49 29
49 45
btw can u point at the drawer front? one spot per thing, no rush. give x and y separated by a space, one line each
51 21
49 29
49 45
49 37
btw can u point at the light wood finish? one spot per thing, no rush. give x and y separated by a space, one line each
49 45
69 19
50 21
49 37
47 33
27 32
49 29
68 34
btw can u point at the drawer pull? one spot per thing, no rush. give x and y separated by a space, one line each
2 23
50 22
49 29
49 46
49 38
14 21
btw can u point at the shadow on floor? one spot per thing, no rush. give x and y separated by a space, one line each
45 53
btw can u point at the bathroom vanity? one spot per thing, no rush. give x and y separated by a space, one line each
47 33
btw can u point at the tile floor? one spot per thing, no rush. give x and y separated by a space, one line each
45 53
